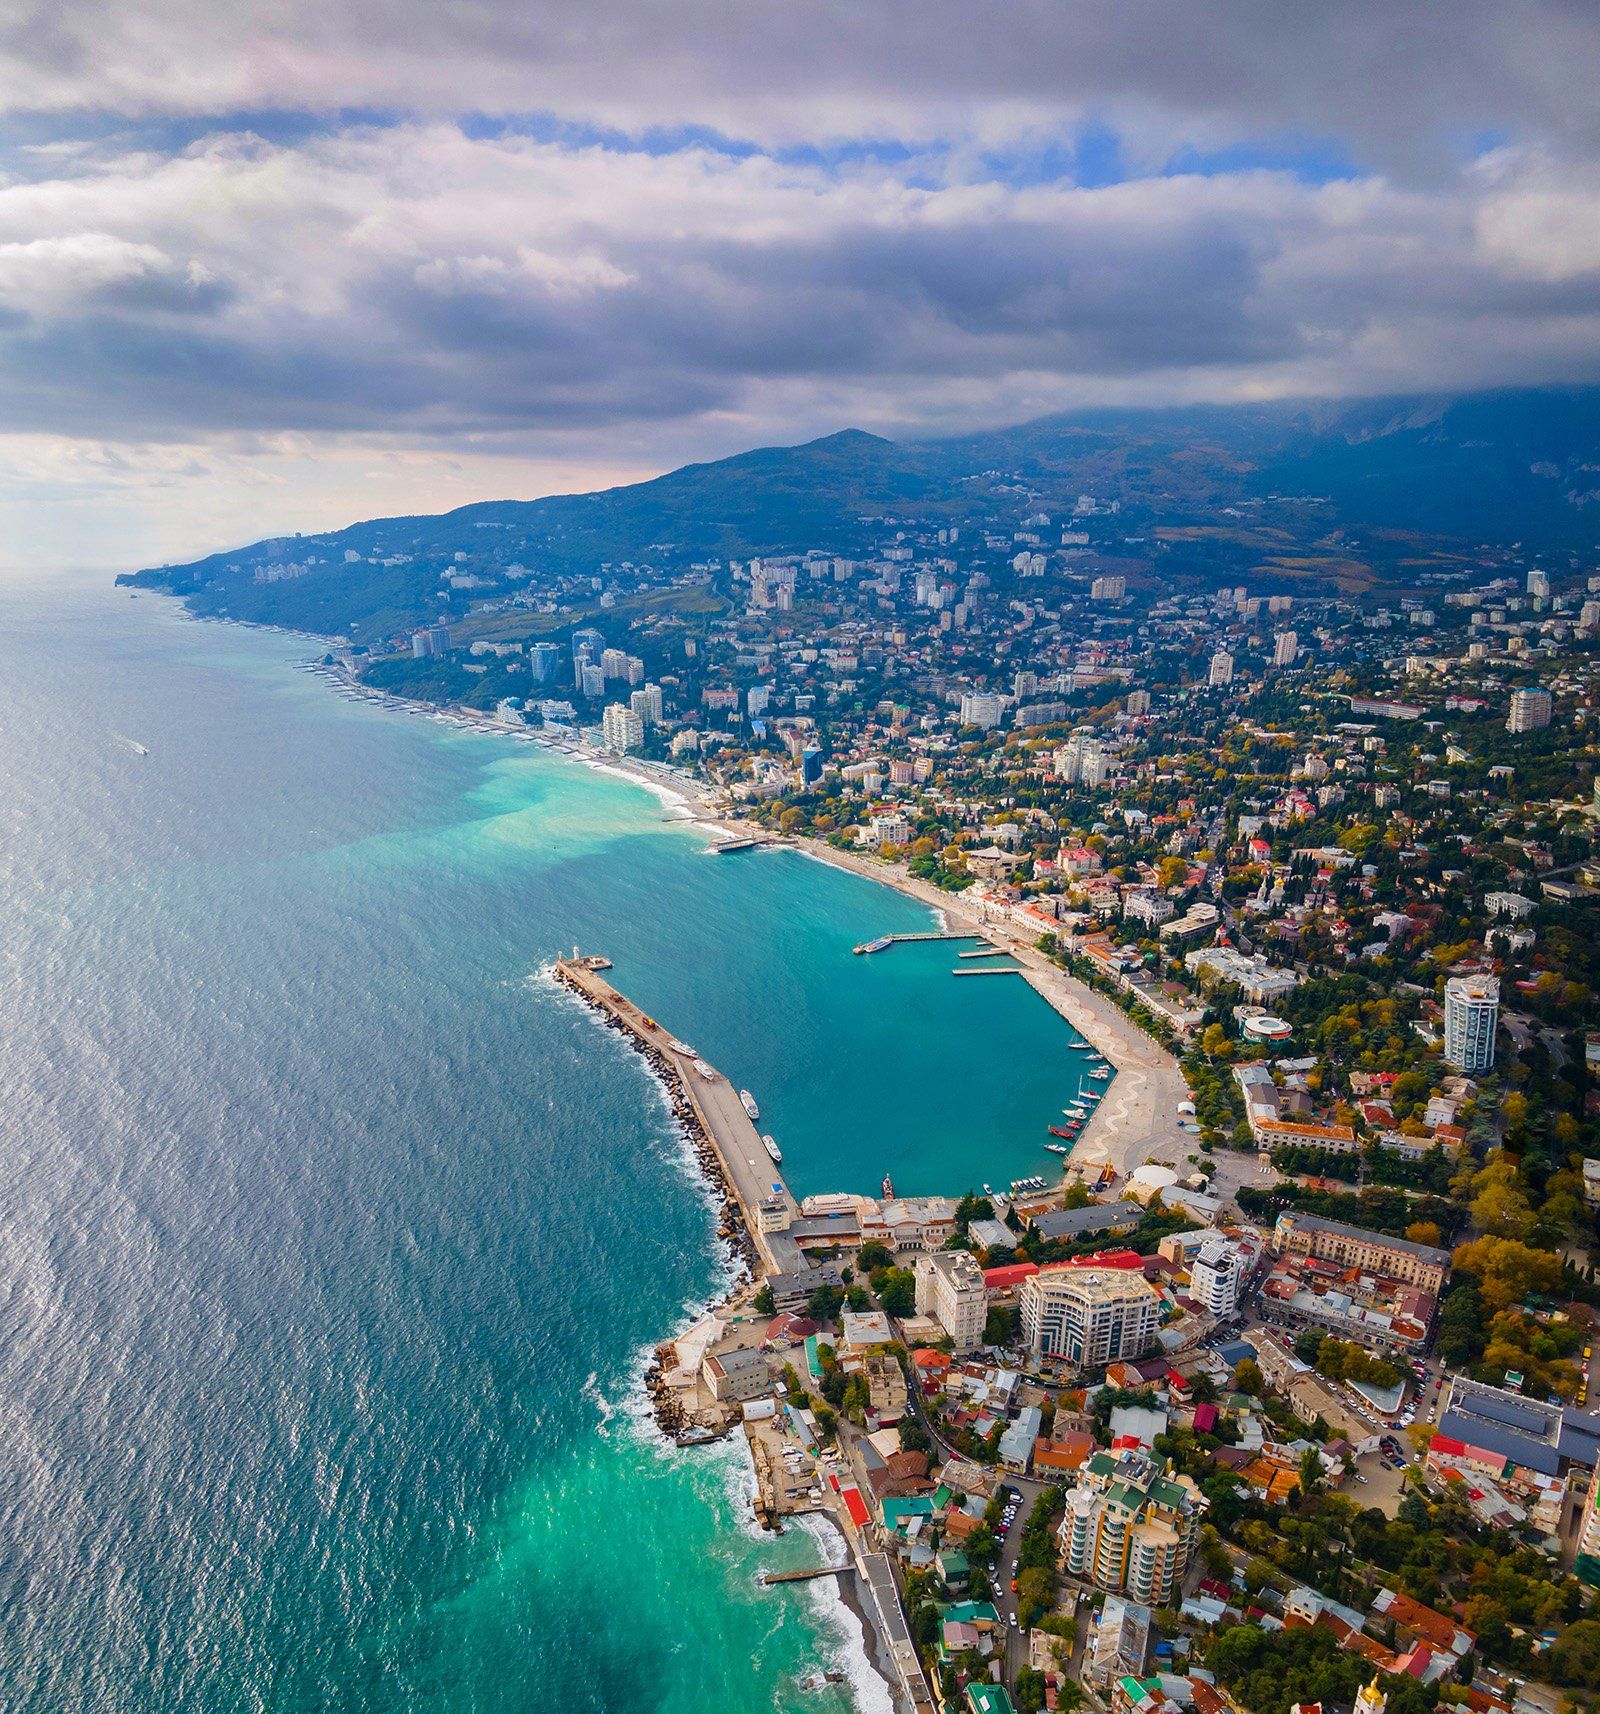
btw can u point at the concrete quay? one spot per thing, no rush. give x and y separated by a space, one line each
749 1174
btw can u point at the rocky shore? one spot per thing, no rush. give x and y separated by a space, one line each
666 1402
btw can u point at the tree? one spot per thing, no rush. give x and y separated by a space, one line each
764 1302
1425 1232
1574 1657
873 1256
1507 1270
1030 1689
1247 1378
897 1292
1036 1589
913 1436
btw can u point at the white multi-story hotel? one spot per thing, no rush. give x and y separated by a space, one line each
1471 1013
1215 1276
1131 1526
950 1289
621 728
1088 1317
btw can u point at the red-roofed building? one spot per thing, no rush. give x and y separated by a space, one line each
1205 1418
1130 1259
996 1280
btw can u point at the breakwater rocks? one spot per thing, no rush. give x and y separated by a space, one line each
666 1402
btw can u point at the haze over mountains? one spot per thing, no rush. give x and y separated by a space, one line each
1376 479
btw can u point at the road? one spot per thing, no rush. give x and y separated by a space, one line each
750 1171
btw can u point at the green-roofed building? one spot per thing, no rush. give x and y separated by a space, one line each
1131 1525
984 1698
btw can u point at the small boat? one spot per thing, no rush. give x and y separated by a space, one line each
1058 1149
748 1102
772 1148
1069 1132
681 1047
888 1187
877 945
705 1071
1101 1073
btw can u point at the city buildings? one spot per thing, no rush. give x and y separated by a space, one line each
1131 1526
621 728
1285 649
1085 1318
1221 670
950 1289
982 711
1215 1276
1421 1265
433 641
1471 1014
1530 710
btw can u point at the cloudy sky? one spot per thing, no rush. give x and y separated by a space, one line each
286 264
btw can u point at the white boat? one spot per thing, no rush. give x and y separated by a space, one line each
772 1148
681 1047
705 1071
748 1102
1058 1148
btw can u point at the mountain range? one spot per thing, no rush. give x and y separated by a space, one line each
1353 493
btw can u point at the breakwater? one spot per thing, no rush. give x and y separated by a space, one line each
734 1227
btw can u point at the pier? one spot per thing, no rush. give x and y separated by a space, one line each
724 846
990 970
935 934
986 952
806 1576
750 1176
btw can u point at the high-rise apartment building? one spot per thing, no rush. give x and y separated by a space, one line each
1215 1276
1132 1526
980 710
1471 1014
1221 669
646 703
1285 649
621 728
1088 1317
435 640
1081 760
1530 710
950 1289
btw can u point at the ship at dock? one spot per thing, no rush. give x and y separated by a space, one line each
770 1145
748 1102
877 945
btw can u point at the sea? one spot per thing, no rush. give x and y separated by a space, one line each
334 1235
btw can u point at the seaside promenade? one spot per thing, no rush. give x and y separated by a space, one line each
1138 1119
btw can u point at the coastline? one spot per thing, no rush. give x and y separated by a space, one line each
701 809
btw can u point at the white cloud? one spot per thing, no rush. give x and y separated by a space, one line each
563 300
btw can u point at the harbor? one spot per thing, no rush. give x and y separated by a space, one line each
715 1117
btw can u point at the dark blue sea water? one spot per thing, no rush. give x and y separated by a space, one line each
331 1232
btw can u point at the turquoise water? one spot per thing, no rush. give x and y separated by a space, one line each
331 1232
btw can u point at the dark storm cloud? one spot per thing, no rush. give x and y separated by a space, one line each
413 278
1392 79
